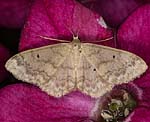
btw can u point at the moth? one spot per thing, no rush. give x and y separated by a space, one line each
64 67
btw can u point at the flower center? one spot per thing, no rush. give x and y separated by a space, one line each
118 108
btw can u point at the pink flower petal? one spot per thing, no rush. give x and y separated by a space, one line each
139 115
113 11
134 34
13 12
57 19
26 103
144 84
4 55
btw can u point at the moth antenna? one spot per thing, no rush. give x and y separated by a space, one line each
107 39
70 30
73 33
49 38
102 40
78 31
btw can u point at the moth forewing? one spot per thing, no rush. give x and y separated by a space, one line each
103 67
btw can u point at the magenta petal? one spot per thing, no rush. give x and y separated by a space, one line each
134 34
143 83
57 19
4 55
13 12
114 11
139 115
26 103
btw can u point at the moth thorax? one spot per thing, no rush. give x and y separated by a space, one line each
76 43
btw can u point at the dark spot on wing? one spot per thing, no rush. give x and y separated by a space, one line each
94 69
114 56
38 56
